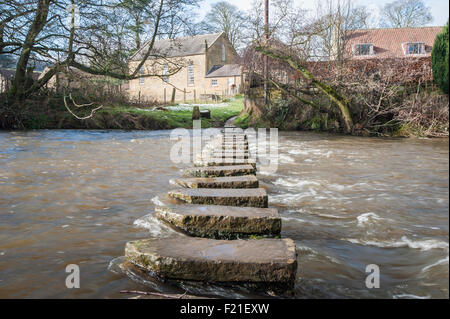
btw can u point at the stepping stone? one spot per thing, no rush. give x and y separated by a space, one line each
225 162
220 222
232 135
233 138
230 154
220 153
238 147
245 197
232 130
231 144
219 171
246 181
263 262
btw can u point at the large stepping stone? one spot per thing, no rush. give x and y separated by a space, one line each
220 222
219 171
248 197
271 263
246 181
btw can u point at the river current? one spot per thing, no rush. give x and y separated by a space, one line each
76 197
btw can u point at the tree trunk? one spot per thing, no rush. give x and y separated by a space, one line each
18 87
341 102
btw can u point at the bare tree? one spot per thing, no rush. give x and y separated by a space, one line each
405 13
279 14
225 17
292 33
335 21
100 44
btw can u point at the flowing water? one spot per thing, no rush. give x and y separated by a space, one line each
76 197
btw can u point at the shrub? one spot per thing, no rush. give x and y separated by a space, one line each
440 58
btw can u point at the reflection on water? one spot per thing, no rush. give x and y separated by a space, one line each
79 196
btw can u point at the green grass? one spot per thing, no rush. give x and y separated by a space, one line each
243 121
183 118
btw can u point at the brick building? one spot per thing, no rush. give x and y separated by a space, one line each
392 43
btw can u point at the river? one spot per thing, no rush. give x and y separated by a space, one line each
76 197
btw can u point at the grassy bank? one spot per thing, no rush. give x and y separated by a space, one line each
51 114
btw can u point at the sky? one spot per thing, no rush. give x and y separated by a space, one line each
439 8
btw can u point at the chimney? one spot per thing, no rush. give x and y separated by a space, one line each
206 46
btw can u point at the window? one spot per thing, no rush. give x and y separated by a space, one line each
414 48
214 82
165 74
223 52
141 72
364 49
190 71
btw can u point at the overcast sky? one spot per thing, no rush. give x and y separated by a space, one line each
439 8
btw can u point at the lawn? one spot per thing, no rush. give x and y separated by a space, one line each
180 115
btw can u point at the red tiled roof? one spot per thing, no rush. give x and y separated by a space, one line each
389 43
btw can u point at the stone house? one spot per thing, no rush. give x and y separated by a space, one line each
187 69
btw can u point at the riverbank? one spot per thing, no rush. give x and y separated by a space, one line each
52 114
405 111
430 117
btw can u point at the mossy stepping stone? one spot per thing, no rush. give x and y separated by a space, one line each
246 181
248 197
219 171
214 221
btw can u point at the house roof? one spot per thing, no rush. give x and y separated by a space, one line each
388 43
218 71
178 47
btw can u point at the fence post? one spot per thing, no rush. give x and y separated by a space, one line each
173 95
